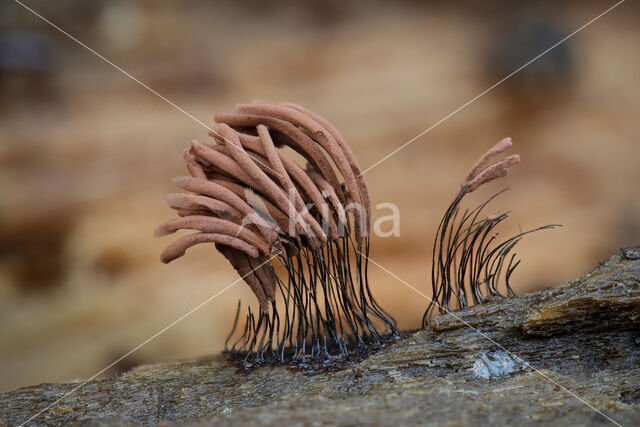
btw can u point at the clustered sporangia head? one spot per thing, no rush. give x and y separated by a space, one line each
257 205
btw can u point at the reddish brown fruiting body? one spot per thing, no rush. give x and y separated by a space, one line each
256 204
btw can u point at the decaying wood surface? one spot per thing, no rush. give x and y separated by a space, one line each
505 362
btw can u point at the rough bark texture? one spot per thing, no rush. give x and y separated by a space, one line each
583 335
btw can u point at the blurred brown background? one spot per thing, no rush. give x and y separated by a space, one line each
86 154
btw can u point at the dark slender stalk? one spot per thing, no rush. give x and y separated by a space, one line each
468 260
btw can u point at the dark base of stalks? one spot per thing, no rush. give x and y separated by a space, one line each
326 315
470 264
333 361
